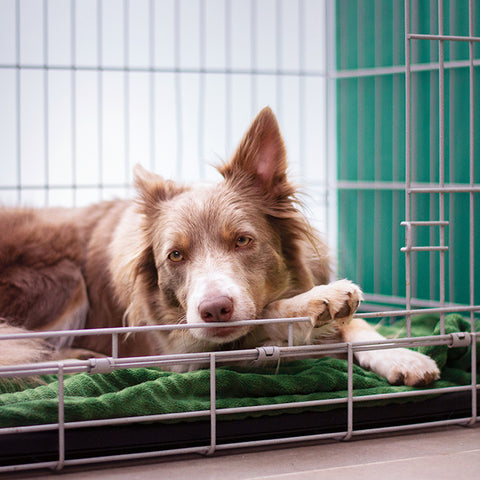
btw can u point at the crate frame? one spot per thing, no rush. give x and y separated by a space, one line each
411 189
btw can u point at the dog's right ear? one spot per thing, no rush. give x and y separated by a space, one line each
152 189
262 157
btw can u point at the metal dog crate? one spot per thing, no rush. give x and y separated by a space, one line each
379 105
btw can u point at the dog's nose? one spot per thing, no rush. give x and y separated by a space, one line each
218 309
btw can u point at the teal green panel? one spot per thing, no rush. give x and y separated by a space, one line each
347 120
347 238
346 38
371 147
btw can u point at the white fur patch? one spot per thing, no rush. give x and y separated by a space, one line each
213 284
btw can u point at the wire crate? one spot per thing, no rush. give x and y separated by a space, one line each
378 104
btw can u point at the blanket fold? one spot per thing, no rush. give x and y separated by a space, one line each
147 391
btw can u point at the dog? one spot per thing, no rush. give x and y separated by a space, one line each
237 250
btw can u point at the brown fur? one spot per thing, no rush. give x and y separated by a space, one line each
175 254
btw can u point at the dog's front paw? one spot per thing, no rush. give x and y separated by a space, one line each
401 366
335 301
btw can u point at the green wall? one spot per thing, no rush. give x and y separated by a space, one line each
371 147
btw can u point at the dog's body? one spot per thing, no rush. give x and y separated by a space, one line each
234 251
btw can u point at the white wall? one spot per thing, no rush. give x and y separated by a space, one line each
89 88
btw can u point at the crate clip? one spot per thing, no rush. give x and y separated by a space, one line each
268 353
460 339
101 365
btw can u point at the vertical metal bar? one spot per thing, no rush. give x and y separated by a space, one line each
361 104
408 282
432 174
395 150
472 211
349 434
377 195
228 76
253 55
213 406
114 345
100 96
441 200
45 102
126 88
330 121
73 100
61 417
290 334
151 50
278 55
473 420
18 105
178 89
201 88
301 86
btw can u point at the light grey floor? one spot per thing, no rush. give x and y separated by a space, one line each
446 453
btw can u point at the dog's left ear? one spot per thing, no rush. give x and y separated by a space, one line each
261 155
152 189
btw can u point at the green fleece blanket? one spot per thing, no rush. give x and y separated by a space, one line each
146 391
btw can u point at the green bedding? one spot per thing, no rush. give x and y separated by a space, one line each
146 391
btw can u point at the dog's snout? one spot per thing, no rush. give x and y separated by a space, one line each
218 309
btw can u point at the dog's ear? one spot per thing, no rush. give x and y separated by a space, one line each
152 189
261 155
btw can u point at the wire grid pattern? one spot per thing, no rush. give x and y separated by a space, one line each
372 148
89 88
411 190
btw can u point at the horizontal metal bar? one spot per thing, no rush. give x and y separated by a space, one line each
28 466
426 223
281 441
396 300
400 69
173 69
413 426
341 185
148 328
230 446
425 249
414 311
231 411
76 186
339 74
448 38
415 187
136 456
365 185
412 393
447 188
76 366
106 422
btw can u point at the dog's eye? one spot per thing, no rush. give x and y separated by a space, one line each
175 256
243 241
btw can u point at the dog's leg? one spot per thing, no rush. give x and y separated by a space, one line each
20 351
329 308
398 365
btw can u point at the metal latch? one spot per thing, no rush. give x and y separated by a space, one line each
268 353
460 339
101 365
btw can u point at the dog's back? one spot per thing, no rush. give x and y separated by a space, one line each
54 275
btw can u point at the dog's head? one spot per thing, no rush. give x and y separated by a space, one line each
222 253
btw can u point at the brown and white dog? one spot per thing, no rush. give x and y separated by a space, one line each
237 250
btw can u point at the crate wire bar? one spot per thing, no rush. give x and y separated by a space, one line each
411 187
105 365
